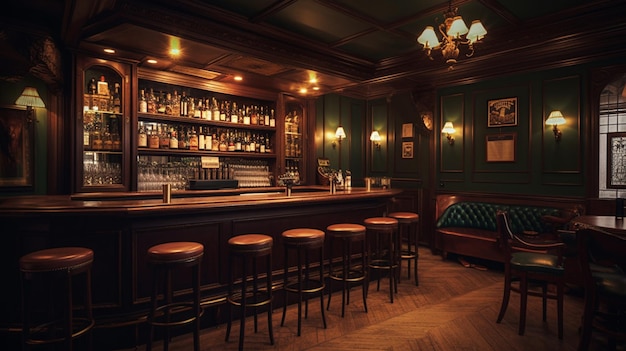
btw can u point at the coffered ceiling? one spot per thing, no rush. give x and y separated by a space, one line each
360 48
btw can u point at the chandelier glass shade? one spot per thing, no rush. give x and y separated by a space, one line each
454 33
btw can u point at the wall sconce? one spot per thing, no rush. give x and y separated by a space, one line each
448 128
375 137
339 134
555 119
30 98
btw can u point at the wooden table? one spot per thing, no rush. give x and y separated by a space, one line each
605 222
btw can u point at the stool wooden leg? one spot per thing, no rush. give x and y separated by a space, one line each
285 282
68 313
269 297
365 273
321 282
242 319
197 307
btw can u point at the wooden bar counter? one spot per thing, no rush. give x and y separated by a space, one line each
120 227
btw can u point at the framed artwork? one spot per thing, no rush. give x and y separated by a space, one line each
501 147
616 161
407 130
16 148
407 149
502 112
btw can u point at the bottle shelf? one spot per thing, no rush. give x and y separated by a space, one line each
234 154
202 122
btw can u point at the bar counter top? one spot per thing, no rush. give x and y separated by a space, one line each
150 202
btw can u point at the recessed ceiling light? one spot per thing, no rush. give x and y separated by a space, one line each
316 88
174 52
109 51
303 90
238 78
152 61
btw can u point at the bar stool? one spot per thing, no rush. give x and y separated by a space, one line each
249 248
304 241
408 229
58 267
165 259
383 249
348 274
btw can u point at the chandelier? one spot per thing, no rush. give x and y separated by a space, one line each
455 33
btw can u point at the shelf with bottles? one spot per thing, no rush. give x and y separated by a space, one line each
176 102
190 138
179 171
101 125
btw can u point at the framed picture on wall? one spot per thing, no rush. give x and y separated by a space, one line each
502 112
407 130
616 161
16 148
501 147
407 149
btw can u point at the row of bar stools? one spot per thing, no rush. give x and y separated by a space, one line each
408 231
56 266
348 274
305 241
249 248
165 259
383 250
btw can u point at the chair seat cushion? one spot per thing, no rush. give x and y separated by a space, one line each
611 283
536 262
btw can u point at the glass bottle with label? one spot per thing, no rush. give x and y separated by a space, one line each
142 137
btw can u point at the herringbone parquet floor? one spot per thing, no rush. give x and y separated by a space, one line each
453 308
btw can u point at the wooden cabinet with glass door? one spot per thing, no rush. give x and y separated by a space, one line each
294 138
102 125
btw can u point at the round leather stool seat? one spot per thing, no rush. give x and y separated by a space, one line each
62 258
405 217
305 242
408 233
251 243
58 267
303 236
381 223
349 272
175 252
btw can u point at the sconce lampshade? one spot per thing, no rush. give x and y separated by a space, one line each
375 136
448 128
30 97
340 133
555 119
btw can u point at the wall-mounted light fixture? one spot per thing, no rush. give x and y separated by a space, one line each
375 138
555 119
339 135
30 98
448 128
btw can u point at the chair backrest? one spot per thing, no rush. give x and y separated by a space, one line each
602 249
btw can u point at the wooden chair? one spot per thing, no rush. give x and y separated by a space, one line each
534 263
602 261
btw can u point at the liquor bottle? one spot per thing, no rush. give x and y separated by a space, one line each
267 116
92 88
153 138
206 111
173 139
182 139
201 142
96 136
208 140
223 111
143 103
254 117
231 141
216 142
215 109
252 142
193 139
261 117
223 146
262 144
151 103
164 137
245 119
272 119
238 141
175 104
234 113
142 137
116 99
268 144
168 104
184 105
192 107
197 112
